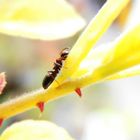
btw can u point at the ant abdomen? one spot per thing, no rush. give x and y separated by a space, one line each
47 81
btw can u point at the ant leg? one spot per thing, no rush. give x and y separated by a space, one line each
57 65
60 65
57 82
64 66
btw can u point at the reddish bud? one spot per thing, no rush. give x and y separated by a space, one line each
40 105
78 91
2 81
1 121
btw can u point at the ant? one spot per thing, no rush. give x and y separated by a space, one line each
48 79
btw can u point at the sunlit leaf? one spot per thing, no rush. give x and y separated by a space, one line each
125 53
123 17
115 60
97 56
2 81
35 130
133 71
48 20
90 36
95 59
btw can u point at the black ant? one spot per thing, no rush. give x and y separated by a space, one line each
48 79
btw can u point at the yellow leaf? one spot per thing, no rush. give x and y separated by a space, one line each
35 130
95 59
46 19
126 46
90 36
116 60
123 17
125 53
133 71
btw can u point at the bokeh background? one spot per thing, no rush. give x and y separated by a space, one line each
109 110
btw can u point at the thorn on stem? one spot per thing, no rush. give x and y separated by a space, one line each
1 121
40 105
78 91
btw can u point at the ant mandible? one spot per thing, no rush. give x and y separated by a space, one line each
48 79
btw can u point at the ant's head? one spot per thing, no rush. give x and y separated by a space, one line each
64 53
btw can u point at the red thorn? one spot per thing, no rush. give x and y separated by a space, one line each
1 121
40 105
78 91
